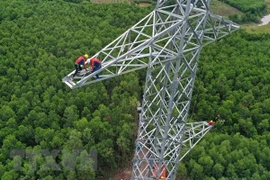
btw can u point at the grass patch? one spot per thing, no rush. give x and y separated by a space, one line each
268 5
258 29
144 4
223 9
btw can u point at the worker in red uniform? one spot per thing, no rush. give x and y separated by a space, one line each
95 65
79 63
211 123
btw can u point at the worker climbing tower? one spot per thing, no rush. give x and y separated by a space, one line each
167 42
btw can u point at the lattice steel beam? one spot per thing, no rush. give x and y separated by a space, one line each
167 42
156 39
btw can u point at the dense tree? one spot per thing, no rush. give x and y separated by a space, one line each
38 45
37 110
235 82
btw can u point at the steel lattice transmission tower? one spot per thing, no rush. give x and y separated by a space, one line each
167 42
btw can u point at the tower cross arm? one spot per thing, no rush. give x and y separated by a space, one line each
216 28
193 134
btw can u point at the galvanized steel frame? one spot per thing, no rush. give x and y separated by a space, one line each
167 42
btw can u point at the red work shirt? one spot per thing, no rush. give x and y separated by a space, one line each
81 61
94 62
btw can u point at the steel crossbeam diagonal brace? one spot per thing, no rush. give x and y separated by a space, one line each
168 92
143 45
193 134
167 42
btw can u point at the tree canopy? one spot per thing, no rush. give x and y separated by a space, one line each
232 89
39 42
48 130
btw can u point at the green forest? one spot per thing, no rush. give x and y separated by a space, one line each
43 121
